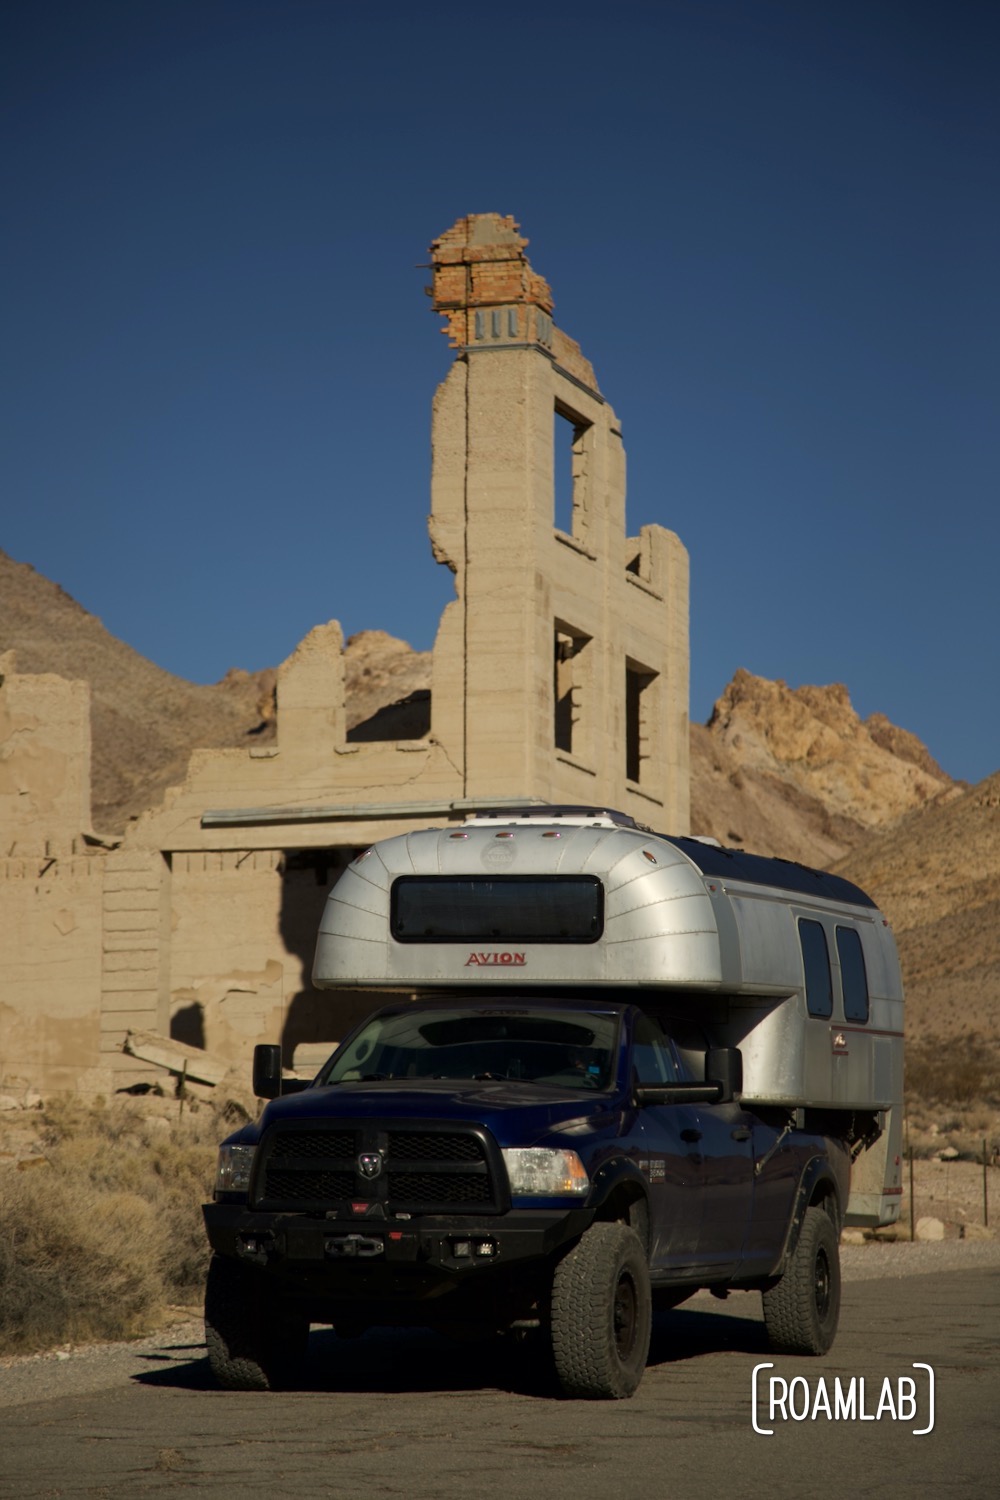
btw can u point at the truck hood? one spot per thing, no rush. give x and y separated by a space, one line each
516 1114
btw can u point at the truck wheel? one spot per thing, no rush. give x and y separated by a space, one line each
802 1311
602 1314
254 1342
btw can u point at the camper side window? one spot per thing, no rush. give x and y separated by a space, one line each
816 964
853 975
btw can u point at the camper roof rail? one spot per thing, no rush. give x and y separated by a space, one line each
581 817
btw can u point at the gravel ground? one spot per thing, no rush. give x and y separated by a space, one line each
872 1261
81 1370
78 1370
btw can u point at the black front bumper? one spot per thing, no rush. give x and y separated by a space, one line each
347 1251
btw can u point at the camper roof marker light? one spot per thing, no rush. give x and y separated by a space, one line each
458 835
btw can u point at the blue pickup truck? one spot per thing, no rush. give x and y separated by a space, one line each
615 1068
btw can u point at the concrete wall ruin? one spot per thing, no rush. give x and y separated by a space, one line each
560 674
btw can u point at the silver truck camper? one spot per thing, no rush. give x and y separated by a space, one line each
796 968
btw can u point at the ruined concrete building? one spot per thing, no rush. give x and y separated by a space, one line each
560 674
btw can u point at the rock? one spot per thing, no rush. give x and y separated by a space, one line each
8 1102
794 772
812 740
949 1153
852 1237
929 1229
977 1232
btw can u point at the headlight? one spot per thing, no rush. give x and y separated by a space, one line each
538 1171
232 1175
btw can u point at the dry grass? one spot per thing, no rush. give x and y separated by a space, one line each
101 1228
958 1070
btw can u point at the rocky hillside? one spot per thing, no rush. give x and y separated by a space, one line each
937 877
795 772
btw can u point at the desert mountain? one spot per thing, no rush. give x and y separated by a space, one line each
794 772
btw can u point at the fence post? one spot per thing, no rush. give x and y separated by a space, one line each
986 1203
913 1218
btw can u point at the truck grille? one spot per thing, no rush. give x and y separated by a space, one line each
421 1168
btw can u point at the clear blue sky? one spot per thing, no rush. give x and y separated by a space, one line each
774 228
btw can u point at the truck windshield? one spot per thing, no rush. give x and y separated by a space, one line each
564 1048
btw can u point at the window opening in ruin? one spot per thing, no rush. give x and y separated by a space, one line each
568 687
324 864
570 497
408 718
638 718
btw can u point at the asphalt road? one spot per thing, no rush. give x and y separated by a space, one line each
412 1415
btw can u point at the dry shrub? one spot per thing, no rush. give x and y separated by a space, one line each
962 1070
73 1265
98 1237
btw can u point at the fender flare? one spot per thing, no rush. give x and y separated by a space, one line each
617 1172
816 1172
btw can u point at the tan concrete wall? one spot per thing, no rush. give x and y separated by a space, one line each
231 970
135 954
44 761
519 579
202 923
50 888
50 975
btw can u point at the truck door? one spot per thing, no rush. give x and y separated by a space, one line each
726 1144
669 1154
700 1163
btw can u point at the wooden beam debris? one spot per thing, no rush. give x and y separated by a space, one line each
176 1057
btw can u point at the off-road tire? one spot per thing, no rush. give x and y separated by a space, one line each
801 1312
254 1342
602 1314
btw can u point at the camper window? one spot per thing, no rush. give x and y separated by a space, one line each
853 975
816 964
496 908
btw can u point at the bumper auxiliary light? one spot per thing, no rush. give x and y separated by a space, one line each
474 1249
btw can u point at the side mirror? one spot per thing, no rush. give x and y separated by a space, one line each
723 1081
724 1066
267 1070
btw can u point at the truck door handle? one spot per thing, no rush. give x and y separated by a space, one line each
690 1135
741 1133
